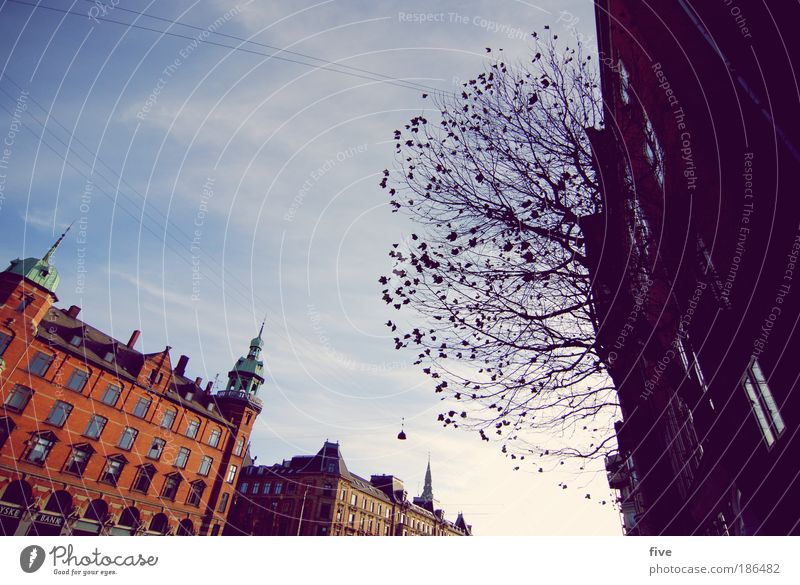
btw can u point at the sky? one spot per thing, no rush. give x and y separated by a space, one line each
212 186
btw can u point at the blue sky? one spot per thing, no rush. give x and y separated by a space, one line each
212 187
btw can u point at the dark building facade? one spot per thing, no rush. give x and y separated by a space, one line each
694 263
99 438
316 495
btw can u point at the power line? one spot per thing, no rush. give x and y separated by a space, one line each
157 220
326 65
276 48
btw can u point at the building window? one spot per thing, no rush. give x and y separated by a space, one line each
39 448
327 492
76 340
351 519
231 474
142 406
223 503
196 489
256 487
624 83
40 363
331 467
243 487
213 438
127 438
59 413
191 430
291 487
353 500
690 364
77 380
113 469
111 395
109 357
182 458
215 530
6 426
653 151
764 407
278 489
325 511
239 447
156 449
18 399
169 417
267 486
78 459
23 304
171 484
144 478
95 427
205 465
5 340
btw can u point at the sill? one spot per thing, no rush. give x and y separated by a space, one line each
36 463
15 409
153 458
107 482
54 425
97 438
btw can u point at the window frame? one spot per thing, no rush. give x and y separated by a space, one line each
76 373
116 461
108 388
16 390
48 360
126 433
181 464
65 410
142 400
47 438
95 417
762 403
84 448
207 459
192 427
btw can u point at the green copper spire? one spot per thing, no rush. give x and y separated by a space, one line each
248 373
40 271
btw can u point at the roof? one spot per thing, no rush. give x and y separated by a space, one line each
57 328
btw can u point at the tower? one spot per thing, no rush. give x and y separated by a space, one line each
28 290
239 402
427 491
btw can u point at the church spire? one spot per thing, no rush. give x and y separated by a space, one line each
427 491
52 250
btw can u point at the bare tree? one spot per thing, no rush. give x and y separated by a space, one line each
498 271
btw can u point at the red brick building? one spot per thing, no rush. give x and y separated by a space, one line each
99 438
695 255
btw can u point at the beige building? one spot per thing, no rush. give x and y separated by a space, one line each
317 495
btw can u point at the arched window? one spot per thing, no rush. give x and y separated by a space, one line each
186 528
159 524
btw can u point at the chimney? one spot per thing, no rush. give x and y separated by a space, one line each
73 311
134 336
197 381
209 385
181 368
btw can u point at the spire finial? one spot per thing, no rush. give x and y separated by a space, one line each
52 249
264 320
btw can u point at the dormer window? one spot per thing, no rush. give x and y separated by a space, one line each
76 340
109 357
